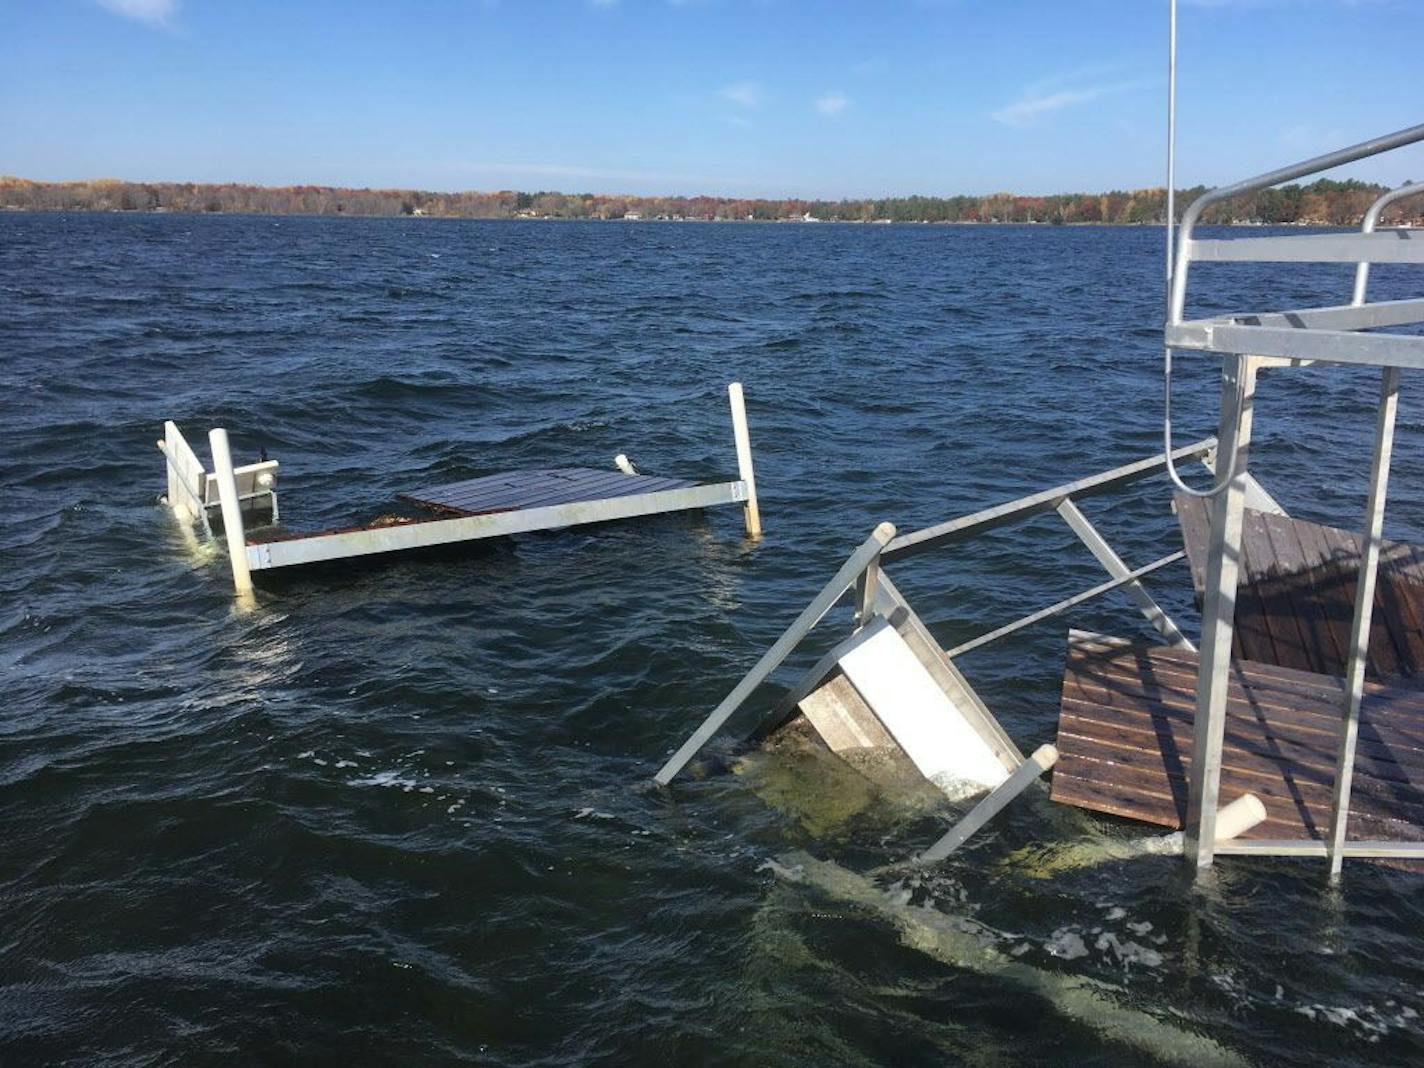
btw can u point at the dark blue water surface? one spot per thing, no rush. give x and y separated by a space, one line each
401 815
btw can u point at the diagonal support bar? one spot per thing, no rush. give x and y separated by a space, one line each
850 571
1063 605
1364 610
1024 776
1114 565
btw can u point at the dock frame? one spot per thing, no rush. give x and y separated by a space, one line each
1248 343
192 491
876 596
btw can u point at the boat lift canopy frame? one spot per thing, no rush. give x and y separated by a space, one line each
1248 343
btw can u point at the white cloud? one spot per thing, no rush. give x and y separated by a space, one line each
1037 101
604 3
832 104
154 12
743 94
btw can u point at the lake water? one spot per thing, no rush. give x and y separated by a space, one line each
403 815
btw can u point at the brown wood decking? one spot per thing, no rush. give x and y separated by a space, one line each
1125 743
1296 595
536 489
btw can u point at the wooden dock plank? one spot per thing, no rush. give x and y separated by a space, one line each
536 489
1323 645
1295 600
1125 743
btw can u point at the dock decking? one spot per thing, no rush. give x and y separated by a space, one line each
493 506
539 488
1125 743
1297 593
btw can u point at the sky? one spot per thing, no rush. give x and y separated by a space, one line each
731 97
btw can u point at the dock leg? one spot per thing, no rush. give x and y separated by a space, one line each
744 458
1364 610
1238 390
1027 773
833 591
231 510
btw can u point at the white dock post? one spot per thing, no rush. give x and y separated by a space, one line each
744 458
1364 608
1238 389
231 510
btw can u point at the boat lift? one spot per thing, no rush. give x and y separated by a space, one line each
472 510
1342 334
1153 732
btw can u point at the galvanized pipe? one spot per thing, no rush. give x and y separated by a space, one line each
1362 272
1177 287
1029 620
1339 157
865 556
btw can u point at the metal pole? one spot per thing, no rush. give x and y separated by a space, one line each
1118 569
744 458
1238 387
1171 138
1364 610
832 592
1362 272
231 510
866 587
1027 773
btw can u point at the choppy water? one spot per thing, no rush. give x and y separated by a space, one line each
401 816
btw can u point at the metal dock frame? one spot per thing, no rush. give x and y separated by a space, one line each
1248 343
877 596
186 489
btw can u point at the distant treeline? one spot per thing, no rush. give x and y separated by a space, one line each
1322 202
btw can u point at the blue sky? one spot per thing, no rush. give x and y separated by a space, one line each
735 97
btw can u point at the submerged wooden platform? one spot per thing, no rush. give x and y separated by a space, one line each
537 488
1125 743
1297 593
474 509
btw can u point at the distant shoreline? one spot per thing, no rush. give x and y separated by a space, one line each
1321 203
131 212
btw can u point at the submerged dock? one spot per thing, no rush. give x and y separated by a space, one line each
475 509
1125 743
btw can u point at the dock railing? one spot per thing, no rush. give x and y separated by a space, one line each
877 596
1248 343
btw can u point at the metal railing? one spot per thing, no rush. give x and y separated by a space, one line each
876 595
1248 343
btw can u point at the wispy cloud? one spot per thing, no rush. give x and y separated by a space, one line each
1045 98
603 3
743 94
153 12
832 104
